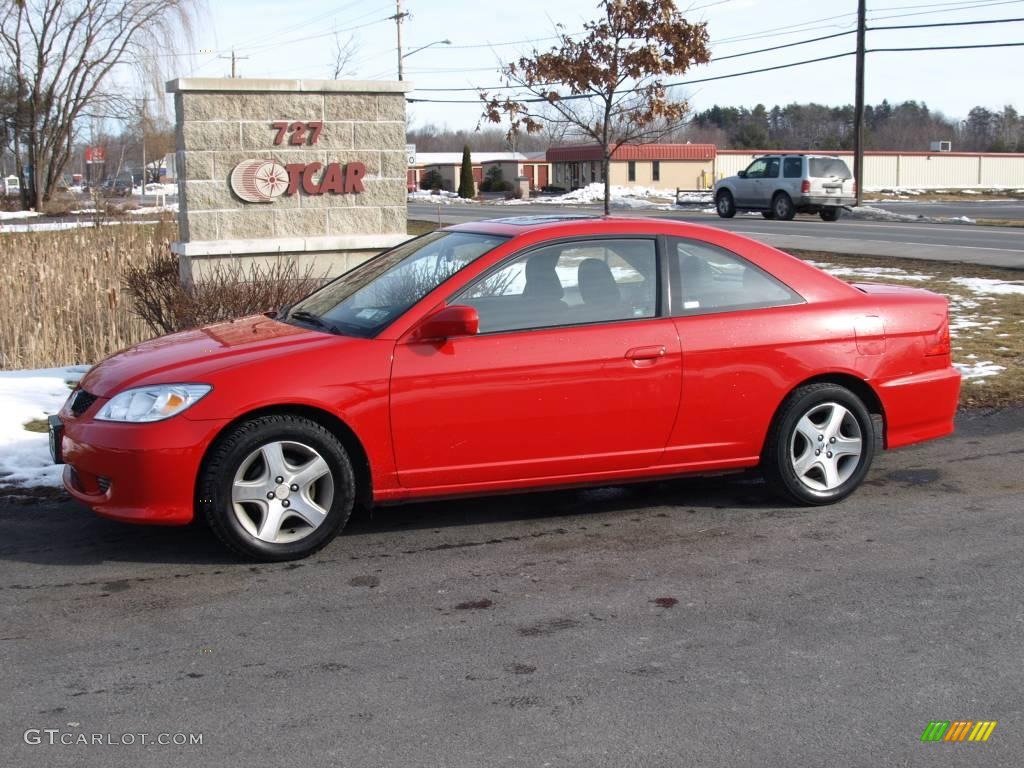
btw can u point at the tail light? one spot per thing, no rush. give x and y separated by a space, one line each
805 187
939 343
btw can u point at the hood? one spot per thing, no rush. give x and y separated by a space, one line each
189 356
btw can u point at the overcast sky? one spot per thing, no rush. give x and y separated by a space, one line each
296 40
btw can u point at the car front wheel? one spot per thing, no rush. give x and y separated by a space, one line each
821 445
277 487
725 205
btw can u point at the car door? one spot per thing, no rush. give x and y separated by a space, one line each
747 186
766 185
574 371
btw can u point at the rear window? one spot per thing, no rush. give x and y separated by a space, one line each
824 167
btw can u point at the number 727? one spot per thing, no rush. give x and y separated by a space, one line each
299 131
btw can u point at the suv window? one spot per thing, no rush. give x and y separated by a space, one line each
823 167
587 281
763 168
793 167
711 279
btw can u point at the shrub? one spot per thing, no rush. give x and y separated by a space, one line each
228 292
431 180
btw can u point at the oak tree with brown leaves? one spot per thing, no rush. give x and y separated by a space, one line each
608 84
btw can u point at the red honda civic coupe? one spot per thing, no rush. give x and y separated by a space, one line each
510 355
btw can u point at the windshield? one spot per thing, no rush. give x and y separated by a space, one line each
363 301
822 167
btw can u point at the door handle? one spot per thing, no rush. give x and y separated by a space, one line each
646 353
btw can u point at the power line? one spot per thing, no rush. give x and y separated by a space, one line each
945 24
747 72
735 55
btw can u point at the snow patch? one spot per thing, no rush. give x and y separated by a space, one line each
984 285
978 370
26 395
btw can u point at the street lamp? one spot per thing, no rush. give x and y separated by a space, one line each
403 56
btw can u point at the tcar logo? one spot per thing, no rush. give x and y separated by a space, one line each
260 181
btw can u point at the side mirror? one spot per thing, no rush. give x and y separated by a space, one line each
742 174
448 323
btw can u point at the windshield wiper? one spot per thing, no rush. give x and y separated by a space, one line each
308 317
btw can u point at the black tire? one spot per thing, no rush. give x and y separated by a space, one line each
832 213
782 206
784 448
217 479
725 205
768 214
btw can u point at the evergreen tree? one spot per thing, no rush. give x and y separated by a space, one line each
467 188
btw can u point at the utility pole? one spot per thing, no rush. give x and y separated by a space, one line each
858 107
398 17
233 57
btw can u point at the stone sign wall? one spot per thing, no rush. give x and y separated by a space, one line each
310 170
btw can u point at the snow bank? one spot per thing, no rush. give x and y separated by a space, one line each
881 214
18 214
441 198
619 197
24 396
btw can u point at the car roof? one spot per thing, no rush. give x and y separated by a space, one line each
577 224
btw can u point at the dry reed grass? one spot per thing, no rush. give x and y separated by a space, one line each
63 300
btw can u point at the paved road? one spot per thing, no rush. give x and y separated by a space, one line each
995 246
691 623
1012 210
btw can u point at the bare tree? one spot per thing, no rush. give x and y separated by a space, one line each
62 53
606 85
344 54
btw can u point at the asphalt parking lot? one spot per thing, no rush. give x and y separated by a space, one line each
681 623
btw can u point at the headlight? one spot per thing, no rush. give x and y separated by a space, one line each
155 403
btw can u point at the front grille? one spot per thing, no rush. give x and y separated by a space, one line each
82 401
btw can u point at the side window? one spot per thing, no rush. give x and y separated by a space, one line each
772 169
792 167
711 279
586 281
756 169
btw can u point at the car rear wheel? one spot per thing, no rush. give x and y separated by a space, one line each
820 446
277 487
725 205
832 213
782 206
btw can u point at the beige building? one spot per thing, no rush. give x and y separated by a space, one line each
660 166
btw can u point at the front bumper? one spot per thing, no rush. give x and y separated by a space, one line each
139 473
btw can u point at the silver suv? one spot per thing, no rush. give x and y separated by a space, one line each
780 186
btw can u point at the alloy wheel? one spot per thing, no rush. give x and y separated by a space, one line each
282 492
826 446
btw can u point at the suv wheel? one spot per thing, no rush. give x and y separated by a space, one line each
832 213
277 487
725 205
782 206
